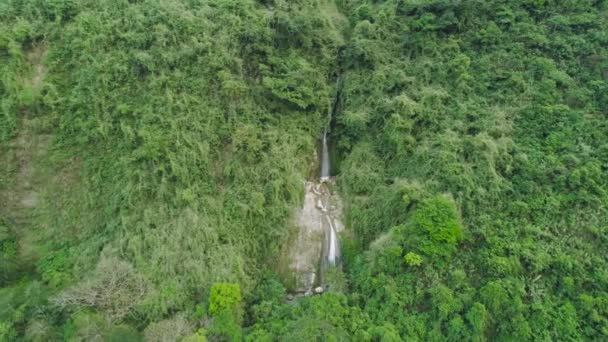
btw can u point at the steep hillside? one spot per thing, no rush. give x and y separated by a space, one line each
153 154
473 138
185 130
487 122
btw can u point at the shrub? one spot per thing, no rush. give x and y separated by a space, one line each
56 267
224 296
437 225
413 259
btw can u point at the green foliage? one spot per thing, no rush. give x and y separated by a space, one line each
199 336
225 327
267 297
60 9
181 146
55 268
413 259
515 144
84 326
295 81
182 111
477 318
269 289
124 333
437 222
8 255
472 143
87 326
21 308
224 296
326 317
7 333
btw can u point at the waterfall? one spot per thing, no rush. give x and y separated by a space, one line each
333 247
325 161
331 236
317 248
325 167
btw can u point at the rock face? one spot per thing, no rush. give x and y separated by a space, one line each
305 254
316 245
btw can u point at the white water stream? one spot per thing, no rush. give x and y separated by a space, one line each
332 244
325 165
317 246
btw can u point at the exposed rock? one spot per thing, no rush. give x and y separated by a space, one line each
307 248
317 242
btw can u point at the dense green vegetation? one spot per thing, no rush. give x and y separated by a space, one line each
500 105
152 153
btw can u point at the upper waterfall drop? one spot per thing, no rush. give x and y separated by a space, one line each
325 166
325 160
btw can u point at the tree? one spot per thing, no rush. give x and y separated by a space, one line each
172 329
115 288
477 317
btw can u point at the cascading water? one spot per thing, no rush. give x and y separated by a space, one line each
332 247
325 159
